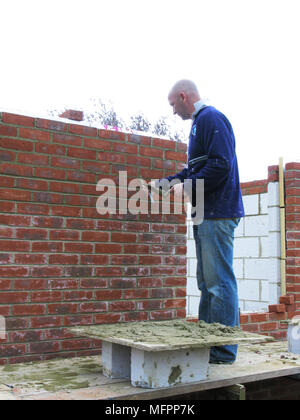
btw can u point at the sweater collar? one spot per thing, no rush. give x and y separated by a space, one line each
198 106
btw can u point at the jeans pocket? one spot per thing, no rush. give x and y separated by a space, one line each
237 221
227 227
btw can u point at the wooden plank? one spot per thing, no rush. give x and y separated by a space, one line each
254 363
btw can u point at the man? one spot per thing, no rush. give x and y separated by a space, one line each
212 139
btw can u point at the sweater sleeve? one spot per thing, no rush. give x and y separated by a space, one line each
218 140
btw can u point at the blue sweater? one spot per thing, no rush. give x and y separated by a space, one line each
212 135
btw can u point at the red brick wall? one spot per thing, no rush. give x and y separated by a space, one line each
61 263
292 183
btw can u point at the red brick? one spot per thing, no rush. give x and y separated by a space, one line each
32 184
78 295
65 211
33 159
51 125
26 336
122 306
11 169
270 326
46 321
13 297
78 320
9 194
30 284
25 310
31 134
44 347
31 234
136 294
292 165
6 181
287 300
64 162
82 153
46 271
277 308
82 130
16 271
253 328
6 130
94 307
111 318
148 151
161 315
63 259
50 173
46 296
6 232
174 303
182 157
18 119
30 259
108 248
125 148
108 294
62 308
20 145
10 350
47 247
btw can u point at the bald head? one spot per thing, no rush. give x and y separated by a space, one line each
182 97
186 86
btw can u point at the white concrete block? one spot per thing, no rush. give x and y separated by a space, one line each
273 194
238 268
274 270
264 246
256 226
265 291
191 249
256 268
250 306
263 203
274 219
251 204
192 287
274 245
246 247
274 293
116 360
168 368
239 231
248 289
190 230
193 306
192 267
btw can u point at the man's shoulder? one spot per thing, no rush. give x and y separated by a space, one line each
209 111
210 115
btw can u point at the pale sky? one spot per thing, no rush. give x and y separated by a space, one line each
242 54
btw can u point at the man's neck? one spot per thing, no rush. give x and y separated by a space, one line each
198 106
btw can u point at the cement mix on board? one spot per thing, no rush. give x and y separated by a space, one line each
169 332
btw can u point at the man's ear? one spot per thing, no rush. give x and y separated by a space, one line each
182 97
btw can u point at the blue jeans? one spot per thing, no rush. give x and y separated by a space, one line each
216 279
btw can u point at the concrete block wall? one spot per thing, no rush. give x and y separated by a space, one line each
61 263
253 264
